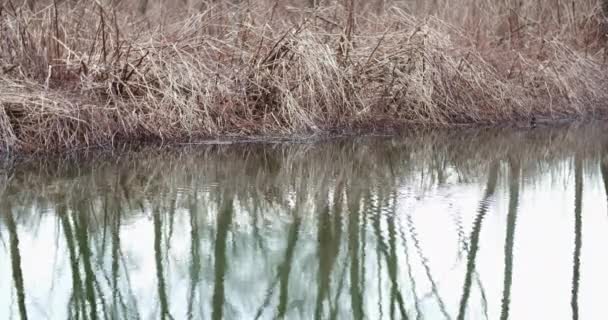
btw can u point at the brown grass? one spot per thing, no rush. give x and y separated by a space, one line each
85 73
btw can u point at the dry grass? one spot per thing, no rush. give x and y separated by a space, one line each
85 73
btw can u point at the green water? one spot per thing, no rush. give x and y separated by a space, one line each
494 224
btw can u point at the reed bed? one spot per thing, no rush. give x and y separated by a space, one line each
86 73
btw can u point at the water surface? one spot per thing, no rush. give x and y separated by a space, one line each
491 224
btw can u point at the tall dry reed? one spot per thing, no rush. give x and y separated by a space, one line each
88 73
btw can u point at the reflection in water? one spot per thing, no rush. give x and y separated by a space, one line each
81 224
514 171
160 278
223 225
474 225
356 296
604 170
578 224
195 256
15 261
475 234
77 308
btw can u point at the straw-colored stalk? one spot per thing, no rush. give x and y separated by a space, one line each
84 73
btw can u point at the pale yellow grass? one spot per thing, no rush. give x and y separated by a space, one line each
86 73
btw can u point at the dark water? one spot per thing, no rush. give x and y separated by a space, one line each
472 225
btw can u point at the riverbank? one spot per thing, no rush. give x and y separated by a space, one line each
84 74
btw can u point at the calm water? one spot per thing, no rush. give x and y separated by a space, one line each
473 225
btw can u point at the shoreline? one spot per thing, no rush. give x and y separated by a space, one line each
8 160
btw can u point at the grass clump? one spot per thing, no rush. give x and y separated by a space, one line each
88 73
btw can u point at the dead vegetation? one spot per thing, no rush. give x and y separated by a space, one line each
87 73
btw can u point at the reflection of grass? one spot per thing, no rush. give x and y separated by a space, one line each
79 307
604 171
408 266
195 252
464 246
117 298
439 156
329 239
86 268
82 238
514 182
474 247
427 269
333 314
158 258
347 190
285 268
223 226
15 260
325 257
578 234
356 295
391 263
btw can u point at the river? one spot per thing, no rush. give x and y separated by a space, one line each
472 224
